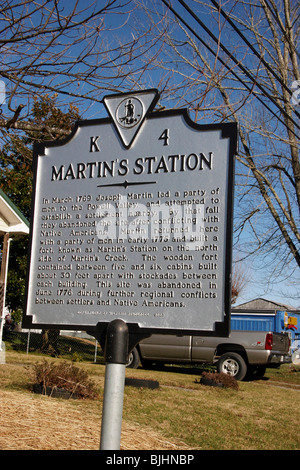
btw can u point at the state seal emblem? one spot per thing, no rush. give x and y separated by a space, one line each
128 112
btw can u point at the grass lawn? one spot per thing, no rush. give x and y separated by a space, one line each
179 414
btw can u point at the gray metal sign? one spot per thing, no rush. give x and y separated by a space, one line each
132 219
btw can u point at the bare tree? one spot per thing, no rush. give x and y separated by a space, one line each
238 282
239 62
78 50
59 47
236 60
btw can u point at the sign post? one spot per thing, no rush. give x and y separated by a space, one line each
116 358
132 221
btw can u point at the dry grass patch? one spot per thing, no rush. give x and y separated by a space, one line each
37 422
180 414
30 421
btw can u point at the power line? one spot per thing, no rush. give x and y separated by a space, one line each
280 26
212 51
244 70
168 5
260 57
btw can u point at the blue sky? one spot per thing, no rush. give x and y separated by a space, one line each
285 289
261 282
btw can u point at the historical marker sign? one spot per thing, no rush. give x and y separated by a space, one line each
132 219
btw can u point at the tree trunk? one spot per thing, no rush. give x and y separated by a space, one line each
50 342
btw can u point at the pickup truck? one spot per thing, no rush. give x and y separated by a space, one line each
244 354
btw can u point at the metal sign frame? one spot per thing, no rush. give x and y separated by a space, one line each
136 331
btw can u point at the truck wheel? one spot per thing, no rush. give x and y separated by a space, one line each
133 359
232 364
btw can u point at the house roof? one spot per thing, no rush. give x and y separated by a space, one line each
263 304
11 219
